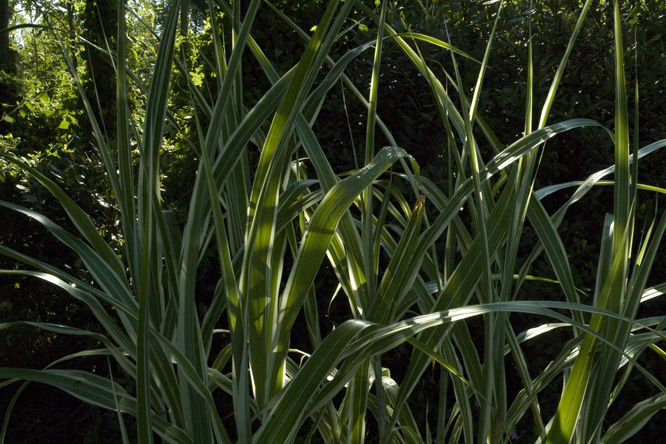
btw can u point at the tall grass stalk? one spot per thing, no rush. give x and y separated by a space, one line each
411 266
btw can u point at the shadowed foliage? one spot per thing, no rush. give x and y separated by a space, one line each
344 222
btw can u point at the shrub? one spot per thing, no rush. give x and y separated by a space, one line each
433 271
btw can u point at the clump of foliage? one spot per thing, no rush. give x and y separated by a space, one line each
427 269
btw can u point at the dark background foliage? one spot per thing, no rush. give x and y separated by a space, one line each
43 122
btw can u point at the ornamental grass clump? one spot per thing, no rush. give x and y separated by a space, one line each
414 261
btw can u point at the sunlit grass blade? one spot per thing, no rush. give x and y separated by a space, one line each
148 213
258 280
320 231
613 291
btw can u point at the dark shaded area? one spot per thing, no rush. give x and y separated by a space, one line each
44 414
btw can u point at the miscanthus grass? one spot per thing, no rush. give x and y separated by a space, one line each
410 267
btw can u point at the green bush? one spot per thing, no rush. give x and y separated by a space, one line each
467 269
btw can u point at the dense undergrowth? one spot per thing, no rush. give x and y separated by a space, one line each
356 241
